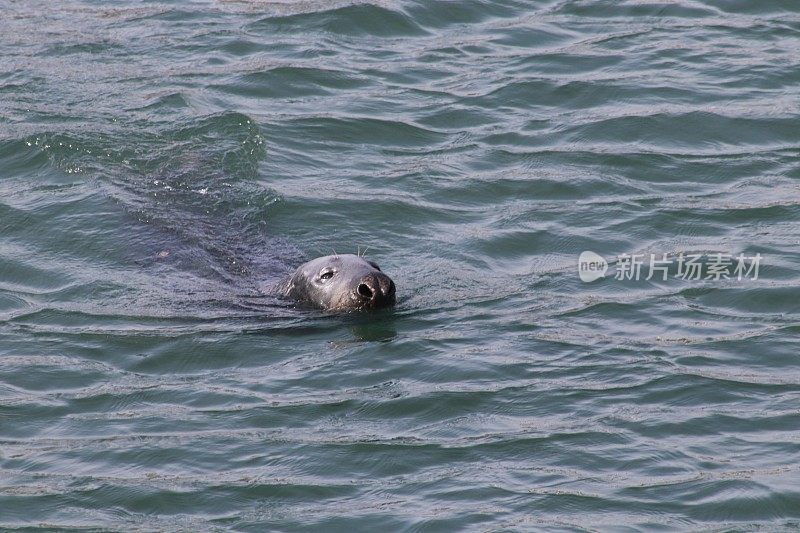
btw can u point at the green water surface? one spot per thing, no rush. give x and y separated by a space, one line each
162 163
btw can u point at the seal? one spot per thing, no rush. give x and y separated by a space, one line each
344 282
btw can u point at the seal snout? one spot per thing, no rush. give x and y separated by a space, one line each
344 282
376 289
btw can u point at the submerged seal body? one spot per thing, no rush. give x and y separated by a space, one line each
344 282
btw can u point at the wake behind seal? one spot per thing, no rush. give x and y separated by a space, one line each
344 282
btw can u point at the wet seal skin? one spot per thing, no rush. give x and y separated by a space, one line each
344 282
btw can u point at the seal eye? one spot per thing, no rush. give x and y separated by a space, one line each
326 274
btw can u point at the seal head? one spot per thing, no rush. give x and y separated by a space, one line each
340 283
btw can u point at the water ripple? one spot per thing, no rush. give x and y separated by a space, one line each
165 164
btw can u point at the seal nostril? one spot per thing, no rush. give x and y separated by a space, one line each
364 291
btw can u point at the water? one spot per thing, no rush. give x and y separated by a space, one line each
162 163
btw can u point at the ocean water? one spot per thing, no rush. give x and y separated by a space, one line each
163 163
